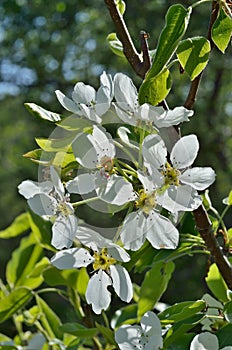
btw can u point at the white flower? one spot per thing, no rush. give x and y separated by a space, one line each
48 199
128 109
206 341
104 261
96 152
178 181
148 336
88 102
147 222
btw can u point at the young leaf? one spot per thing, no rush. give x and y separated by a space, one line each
115 44
155 90
42 113
55 145
18 226
49 319
193 54
177 20
13 302
181 311
222 31
154 285
216 283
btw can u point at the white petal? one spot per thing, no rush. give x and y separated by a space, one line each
66 102
125 114
82 184
148 185
125 91
102 142
160 232
121 282
57 182
103 100
91 238
154 151
64 231
123 134
132 232
42 204
205 341
83 93
129 337
114 190
106 80
89 113
117 252
173 117
181 198
84 151
198 178
148 113
184 151
29 188
150 324
72 258
97 293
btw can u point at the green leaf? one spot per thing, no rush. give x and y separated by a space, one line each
216 283
78 330
177 19
23 261
115 44
224 336
42 113
75 123
155 90
49 319
41 230
107 333
181 343
13 302
55 145
193 54
228 311
18 226
39 156
222 31
154 285
181 311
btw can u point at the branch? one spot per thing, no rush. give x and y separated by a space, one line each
140 67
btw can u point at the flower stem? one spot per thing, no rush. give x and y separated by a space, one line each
85 201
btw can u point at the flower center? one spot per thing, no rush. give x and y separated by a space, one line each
62 208
107 163
171 175
103 260
146 201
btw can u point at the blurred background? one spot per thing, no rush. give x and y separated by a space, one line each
52 45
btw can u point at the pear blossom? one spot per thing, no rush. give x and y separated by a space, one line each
48 199
147 222
86 101
148 336
128 109
104 260
178 182
206 341
96 153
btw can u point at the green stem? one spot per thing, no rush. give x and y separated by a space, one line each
85 201
199 3
191 252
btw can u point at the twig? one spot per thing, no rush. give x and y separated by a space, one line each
140 66
202 220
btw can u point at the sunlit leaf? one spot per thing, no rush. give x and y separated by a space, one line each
155 90
216 283
13 302
115 44
42 113
193 54
18 226
222 31
181 311
154 285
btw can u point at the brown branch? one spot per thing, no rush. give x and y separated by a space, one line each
140 67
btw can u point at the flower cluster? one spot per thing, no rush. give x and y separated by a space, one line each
134 172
